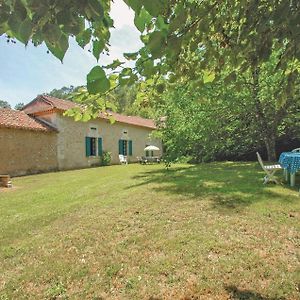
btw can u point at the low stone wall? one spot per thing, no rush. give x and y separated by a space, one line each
25 152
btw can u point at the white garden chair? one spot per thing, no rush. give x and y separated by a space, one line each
296 150
270 170
123 159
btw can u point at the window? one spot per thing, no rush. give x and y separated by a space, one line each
91 146
125 147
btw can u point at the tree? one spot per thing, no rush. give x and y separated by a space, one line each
64 92
219 120
228 32
4 104
132 100
19 106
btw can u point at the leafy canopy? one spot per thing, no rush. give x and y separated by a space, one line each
4 104
225 120
182 38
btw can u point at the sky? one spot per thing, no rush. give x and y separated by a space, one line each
26 72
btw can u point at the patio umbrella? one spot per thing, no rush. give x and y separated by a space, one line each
151 148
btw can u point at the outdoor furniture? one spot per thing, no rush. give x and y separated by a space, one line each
123 159
148 159
270 170
153 159
290 161
142 160
5 181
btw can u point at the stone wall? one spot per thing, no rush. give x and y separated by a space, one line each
27 152
71 150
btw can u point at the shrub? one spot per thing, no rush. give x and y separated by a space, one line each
106 158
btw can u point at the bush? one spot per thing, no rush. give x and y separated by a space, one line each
106 158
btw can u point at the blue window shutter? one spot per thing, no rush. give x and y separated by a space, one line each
100 152
120 146
87 146
130 147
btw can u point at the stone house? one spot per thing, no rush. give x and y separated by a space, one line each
40 138
27 145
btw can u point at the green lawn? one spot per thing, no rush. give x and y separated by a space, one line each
211 231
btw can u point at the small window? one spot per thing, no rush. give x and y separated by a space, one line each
93 146
90 146
93 128
125 147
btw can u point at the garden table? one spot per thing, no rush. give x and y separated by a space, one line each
290 162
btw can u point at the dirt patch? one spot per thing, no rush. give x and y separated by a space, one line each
5 189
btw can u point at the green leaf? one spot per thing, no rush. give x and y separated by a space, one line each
156 43
127 77
154 7
21 30
178 21
78 116
20 10
111 119
115 64
98 46
40 8
208 76
94 9
25 30
86 116
97 81
60 47
144 39
84 37
96 73
142 19
4 13
113 80
131 56
52 33
3 28
75 26
108 21
136 5
160 23
147 68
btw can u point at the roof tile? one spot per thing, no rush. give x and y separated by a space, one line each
63 105
10 118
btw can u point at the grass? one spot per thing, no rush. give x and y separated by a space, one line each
211 231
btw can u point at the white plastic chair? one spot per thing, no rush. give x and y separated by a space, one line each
269 169
123 159
296 150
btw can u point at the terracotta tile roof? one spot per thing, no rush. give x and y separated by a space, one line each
10 118
133 120
44 103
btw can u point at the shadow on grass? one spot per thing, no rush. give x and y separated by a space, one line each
231 185
237 294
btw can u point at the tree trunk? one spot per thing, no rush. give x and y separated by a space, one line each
270 145
266 129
